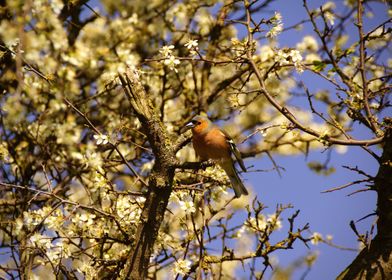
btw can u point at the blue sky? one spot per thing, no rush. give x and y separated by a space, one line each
327 213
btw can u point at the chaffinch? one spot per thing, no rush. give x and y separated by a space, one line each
211 142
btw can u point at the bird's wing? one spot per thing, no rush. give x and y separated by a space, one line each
234 150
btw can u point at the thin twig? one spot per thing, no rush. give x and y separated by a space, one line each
346 185
92 126
362 53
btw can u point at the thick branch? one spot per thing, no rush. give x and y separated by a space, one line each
160 181
375 261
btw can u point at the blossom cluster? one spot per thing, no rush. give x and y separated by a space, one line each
170 60
284 57
277 25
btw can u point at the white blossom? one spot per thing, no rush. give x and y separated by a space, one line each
186 204
101 139
274 221
133 19
266 53
277 17
172 62
277 25
56 6
258 224
330 17
182 267
83 220
54 255
308 44
275 30
316 238
166 51
40 241
284 57
191 44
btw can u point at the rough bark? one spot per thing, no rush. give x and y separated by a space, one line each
375 261
160 180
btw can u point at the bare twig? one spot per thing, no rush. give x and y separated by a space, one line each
346 185
362 58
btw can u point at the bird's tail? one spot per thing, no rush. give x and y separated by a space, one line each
236 183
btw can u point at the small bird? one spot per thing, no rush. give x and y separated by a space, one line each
211 142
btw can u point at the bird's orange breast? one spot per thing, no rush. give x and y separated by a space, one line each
211 145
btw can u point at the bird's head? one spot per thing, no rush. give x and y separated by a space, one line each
198 124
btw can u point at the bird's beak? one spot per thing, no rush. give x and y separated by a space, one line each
187 126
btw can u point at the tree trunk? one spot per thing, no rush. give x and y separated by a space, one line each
375 261
160 180
152 216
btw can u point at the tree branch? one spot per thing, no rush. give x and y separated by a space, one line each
160 181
